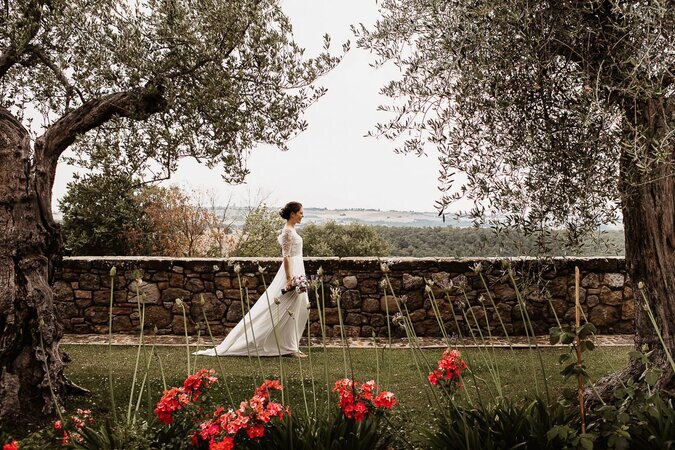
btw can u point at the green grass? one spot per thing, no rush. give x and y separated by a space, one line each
520 375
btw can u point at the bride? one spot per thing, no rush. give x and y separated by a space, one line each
276 321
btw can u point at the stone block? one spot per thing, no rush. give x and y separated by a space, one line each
592 300
102 297
89 281
351 299
378 320
178 327
350 282
604 315
503 292
176 280
591 280
171 294
62 292
234 315
614 280
370 305
149 293
418 315
122 324
388 303
194 285
223 283
353 319
411 282
609 297
213 307
82 294
628 309
82 302
96 314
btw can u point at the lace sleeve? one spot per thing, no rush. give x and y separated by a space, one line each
286 241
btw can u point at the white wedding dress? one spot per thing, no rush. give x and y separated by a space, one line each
271 327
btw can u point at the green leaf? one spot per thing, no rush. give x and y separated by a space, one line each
652 376
586 330
586 441
567 338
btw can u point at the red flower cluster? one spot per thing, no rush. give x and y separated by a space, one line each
71 427
358 400
14 445
250 419
449 369
177 398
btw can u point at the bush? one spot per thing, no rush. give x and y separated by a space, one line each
331 239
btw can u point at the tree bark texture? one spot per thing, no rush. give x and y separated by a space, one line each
29 247
648 204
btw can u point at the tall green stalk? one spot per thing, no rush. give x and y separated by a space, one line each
243 313
311 365
527 322
141 309
652 319
181 305
255 342
274 331
321 306
220 365
113 274
388 318
335 296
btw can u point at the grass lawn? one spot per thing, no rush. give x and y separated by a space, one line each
519 371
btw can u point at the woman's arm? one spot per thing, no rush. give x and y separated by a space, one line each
286 245
287 269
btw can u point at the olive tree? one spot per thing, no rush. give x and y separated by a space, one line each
558 114
137 85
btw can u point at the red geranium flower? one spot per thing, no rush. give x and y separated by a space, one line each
358 400
14 445
448 369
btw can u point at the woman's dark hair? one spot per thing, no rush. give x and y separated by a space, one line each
291 207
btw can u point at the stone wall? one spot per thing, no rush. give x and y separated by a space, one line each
82 293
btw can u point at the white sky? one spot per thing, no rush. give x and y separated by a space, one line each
332 164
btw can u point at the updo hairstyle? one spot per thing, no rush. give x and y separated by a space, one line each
291 207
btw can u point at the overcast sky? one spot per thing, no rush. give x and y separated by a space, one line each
332 164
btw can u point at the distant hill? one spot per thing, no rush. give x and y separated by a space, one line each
370 217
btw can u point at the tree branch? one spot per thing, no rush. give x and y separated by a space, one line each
44 58
13 53
137 104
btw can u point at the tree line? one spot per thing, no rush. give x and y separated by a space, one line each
117 215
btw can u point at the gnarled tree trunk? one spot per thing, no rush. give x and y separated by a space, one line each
29 245
648 203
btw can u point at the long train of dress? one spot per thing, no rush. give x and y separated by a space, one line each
271 327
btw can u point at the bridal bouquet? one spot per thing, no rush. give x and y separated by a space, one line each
299 283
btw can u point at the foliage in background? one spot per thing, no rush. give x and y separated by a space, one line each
331 239
259 233
110 214
181 225
468 242
102 216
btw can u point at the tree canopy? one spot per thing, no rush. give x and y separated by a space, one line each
528 100
156 80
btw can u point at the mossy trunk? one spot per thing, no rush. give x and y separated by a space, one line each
29 247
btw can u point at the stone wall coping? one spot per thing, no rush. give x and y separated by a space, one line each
391 259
